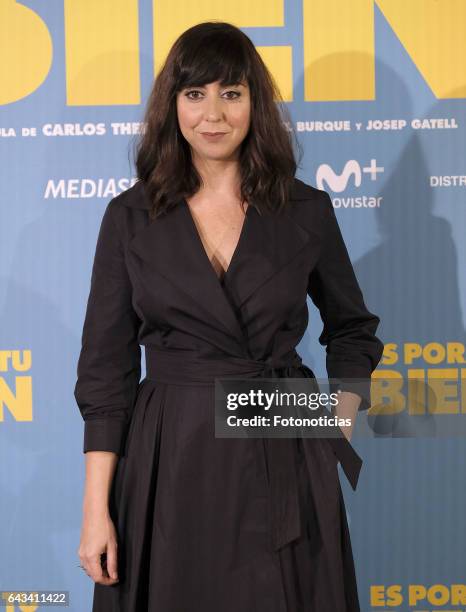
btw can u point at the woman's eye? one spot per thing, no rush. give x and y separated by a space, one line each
196 91
237 93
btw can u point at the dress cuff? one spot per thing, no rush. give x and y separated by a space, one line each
353 378
104 435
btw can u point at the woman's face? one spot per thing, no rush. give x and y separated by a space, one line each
212 108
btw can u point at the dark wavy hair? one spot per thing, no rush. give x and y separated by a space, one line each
205 53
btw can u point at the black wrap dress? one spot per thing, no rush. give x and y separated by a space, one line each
208 524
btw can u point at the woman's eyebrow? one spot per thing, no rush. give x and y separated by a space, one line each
222 86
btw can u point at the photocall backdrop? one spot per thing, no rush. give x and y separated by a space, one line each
376 91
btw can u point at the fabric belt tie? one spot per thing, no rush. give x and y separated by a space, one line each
184 367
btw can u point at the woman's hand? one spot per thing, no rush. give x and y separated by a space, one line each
98 536
347 408
98 533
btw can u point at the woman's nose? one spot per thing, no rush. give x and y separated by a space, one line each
213 108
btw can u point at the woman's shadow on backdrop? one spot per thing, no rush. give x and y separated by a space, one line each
411 280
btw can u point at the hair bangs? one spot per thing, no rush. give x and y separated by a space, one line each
214 58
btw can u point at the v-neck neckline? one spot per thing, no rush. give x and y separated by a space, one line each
195 232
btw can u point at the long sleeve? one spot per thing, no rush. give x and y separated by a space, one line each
109 364
352 348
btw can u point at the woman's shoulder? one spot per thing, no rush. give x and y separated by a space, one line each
303 192
123 206
309 205
134 197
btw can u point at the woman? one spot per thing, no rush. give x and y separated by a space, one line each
185 521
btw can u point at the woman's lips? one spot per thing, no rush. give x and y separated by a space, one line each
213 135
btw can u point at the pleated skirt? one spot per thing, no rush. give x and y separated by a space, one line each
191 516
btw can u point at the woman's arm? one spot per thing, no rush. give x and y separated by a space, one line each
109 369
100 468
352 348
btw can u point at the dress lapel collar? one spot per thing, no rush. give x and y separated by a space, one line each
270 242
169 246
